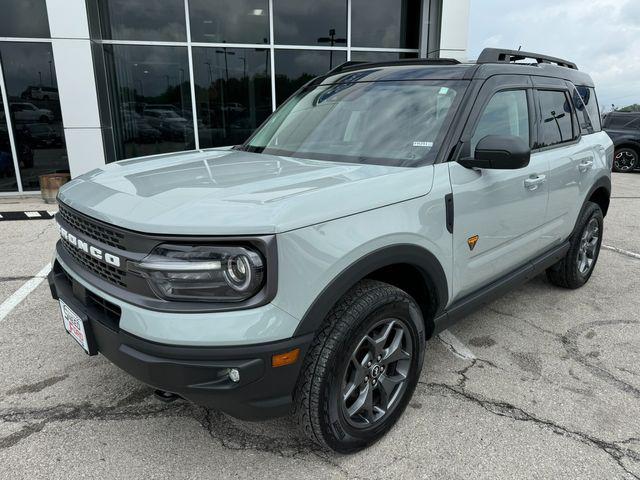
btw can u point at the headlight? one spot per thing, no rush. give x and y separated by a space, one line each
202 273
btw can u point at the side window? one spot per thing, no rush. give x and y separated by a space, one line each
586 127
507 113
588 95
556 122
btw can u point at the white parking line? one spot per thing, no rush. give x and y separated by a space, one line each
455 346
20 294
623 252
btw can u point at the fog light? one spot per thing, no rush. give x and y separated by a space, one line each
234 375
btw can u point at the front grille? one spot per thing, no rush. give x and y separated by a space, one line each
103 310
107 272
92 229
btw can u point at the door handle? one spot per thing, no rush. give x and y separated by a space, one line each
585 165
532 183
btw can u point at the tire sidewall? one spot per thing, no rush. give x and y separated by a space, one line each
338 433
592 211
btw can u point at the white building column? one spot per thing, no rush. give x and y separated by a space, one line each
454 33
69 27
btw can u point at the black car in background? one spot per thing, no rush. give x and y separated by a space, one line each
624 130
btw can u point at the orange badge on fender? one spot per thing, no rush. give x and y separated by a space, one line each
472 242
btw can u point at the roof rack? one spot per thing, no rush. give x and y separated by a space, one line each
402 61
498 55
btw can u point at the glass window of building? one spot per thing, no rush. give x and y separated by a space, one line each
32 90
385 24
7 171
24 18
294 68
156 20
233 93
229 21
150 96
381 56
321 22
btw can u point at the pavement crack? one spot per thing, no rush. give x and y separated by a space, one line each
570 343
131 407
615 450
38 386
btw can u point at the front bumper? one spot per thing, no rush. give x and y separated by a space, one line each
199 374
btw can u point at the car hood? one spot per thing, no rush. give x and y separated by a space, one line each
223 192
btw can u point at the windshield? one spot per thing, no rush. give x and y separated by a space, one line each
399 123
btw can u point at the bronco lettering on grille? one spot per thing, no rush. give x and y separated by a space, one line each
89 249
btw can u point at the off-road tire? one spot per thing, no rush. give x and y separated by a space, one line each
566 273
317 402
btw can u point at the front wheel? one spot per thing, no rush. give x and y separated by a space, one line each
575 269
362 368
625 160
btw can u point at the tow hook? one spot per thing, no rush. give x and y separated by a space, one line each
166 397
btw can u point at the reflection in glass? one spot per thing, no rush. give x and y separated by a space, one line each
294 68
233 93
229 21
380 56
30 78
150 99
321 22
24 18
385 24
159 20
7 170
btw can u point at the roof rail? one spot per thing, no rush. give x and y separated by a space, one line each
344 65
499 55
403 61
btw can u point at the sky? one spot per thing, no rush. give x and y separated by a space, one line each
601 36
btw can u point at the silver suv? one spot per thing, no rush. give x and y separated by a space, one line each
303 271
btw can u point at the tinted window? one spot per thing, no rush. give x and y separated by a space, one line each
507 113
23 18
588 95
294 68
384 23
229 21
380 56
321 22
7 170
622 121
233 94
586 127
28 67
150 97
143 20
394 123
556 122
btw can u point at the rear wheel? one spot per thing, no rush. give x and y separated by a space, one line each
575 269
625 160
362 368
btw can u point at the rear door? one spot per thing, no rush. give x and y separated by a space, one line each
570 154
505 209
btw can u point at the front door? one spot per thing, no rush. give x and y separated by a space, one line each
499 214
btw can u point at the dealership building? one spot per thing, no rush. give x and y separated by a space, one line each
88 82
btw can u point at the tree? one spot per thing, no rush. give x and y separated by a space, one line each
631 108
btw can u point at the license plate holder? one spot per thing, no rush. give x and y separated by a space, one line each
78 327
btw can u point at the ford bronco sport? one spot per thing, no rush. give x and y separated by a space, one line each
303 271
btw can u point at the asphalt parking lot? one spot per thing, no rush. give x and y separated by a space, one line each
543 383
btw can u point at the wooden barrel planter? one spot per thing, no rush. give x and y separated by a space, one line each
50 184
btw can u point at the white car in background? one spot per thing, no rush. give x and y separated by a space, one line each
28 112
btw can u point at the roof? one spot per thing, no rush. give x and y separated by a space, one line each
491 62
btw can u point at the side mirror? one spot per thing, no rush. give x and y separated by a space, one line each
502 152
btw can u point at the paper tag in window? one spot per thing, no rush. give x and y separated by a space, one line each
423 144
443 91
